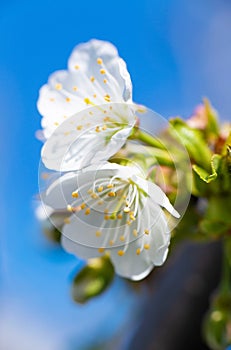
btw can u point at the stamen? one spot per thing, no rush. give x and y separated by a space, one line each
58 86
76 67
119 216
135 233
92 79
75 194
99 60
146 246
101 250
102 71
75 88
122 238
138 251
88 211
107 98
120 252
98 233
100 189
66 221
79 127
83 206
112 194
68 99
146 232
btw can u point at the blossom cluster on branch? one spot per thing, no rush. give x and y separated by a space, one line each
108 186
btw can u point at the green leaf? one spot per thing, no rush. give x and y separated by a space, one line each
203 174
92 280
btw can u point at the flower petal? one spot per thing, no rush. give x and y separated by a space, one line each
96 73
88 137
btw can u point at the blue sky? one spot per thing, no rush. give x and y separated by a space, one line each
176 51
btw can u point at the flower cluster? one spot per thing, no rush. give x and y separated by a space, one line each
106 207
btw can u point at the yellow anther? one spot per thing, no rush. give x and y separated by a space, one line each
88 211
66 221
45 176
94 95
146 232
122 238
132 217
102 71
104 127
98 233
110 185
58 86
105 81
119 216
100 202
56 123
100 189
106 211
135 233
87 101
92 79
52 99
127 209
138 251
107 98
83 206
97 129
128 223
91 113
76 67
101 250
99 60
111 194
66 133
69 208
111 242
75 194
146 246
90 191
68 99
106 217
106 119
110 107
75 88
94 195
120 252
79 127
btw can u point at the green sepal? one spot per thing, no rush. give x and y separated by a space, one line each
193 141
203 174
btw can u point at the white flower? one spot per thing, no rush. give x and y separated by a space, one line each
112 209
89 137
96 75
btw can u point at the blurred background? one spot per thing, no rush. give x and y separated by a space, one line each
177 52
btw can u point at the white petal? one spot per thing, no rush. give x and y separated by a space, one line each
87 138
78 250
134 266
156 194
59 194
66 91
